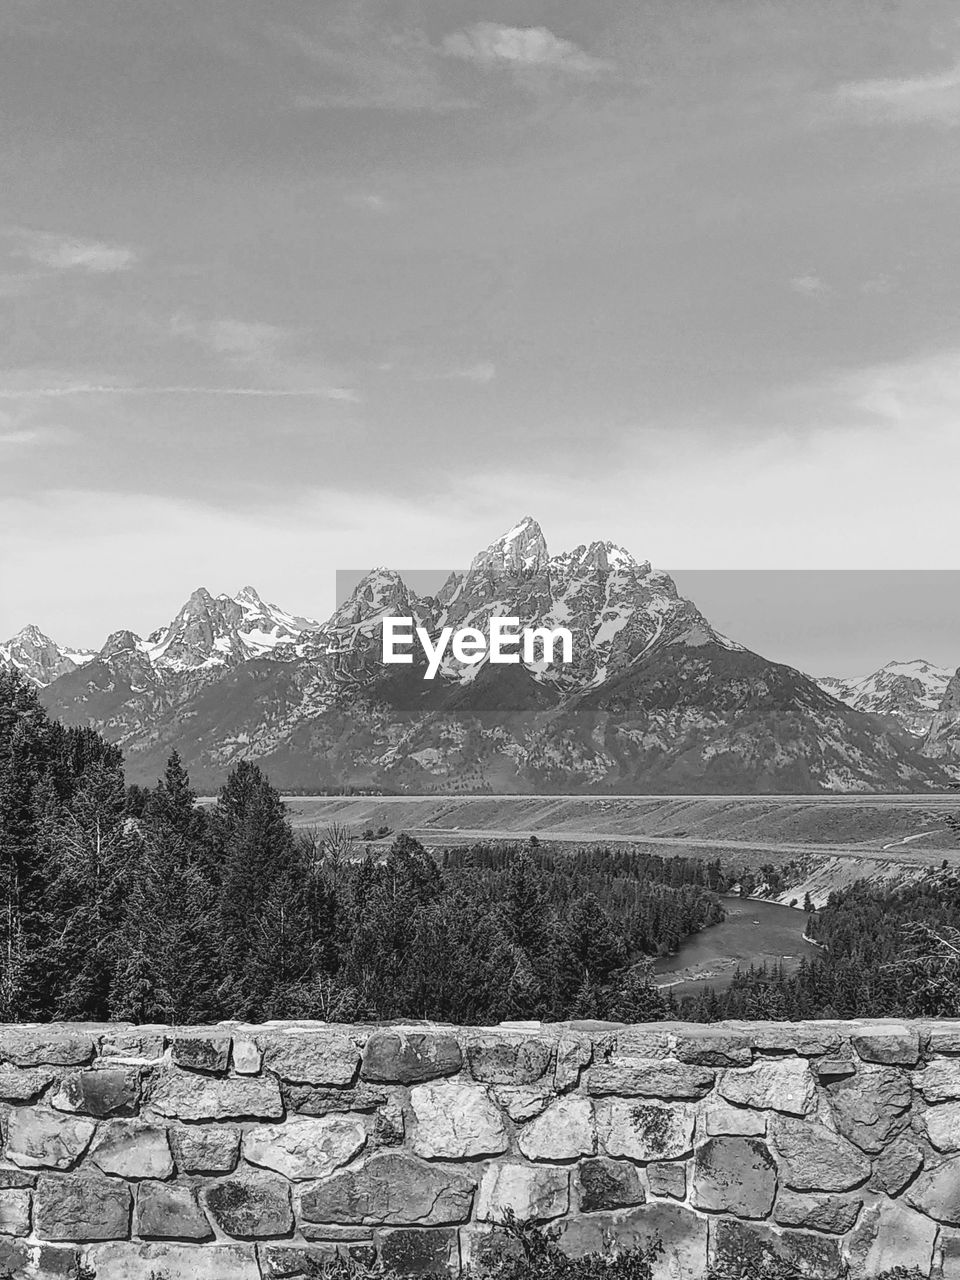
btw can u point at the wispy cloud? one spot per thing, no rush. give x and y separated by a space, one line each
521 49
67 253
362 65
240 341
931 99
810 286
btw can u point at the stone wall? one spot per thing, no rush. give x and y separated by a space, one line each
239 1152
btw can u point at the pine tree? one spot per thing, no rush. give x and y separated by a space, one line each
89 856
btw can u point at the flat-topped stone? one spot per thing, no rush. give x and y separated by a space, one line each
410 1057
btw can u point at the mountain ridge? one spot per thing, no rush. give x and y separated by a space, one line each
656 698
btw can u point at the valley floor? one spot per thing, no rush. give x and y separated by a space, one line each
819 843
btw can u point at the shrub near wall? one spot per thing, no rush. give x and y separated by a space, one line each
239 1152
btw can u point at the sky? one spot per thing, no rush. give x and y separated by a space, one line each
296 286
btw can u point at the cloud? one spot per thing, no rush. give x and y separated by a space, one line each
65 253
241 341
915 100
261 351
20 437
482 372
521 49
811 286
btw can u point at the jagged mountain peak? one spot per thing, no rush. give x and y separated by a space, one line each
381 591
35 655
119 642
909 690
522 549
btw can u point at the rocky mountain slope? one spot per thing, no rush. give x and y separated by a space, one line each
39 658
656 699
910 692
943 740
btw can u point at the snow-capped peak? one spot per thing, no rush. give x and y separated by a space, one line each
40 659
909 690
522 549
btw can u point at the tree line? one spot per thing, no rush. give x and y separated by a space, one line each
142 904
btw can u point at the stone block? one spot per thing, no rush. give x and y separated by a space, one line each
939 1081
200 1051
24 1084
645 1130
524 1102
250 1206
535 1193
942 1126
870 1108
13 1179
389 1127
890 1042
603 1184
751 1249
785 1085
944 1036
949 1255
509 1061
319 1057
412 1251
712 1046
650 1078
81 1207
139 1046
138 1261
206 1148
891 1235
895 1167
166 1211
389 1189
132 1149
456 1121
721 1118
14 1212
835 1067
833 1214
305 1148
20 1260
667 1178
814 1158
643 1042
564 1131
45 1139
187 1095
247 1056
682 1234
808 1039
101 1091
734 1175
294 1261
936 1192
484 1247
573 1054
410 1057
323 1100
45 1046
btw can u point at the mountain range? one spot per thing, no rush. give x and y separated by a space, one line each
655 700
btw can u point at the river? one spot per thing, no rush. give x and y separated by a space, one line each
754 932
